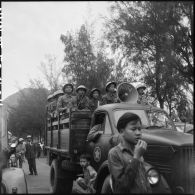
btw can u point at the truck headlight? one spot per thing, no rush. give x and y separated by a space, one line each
153 176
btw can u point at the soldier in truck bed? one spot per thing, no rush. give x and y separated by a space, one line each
49 105
67 101
81 98
110 96
95 99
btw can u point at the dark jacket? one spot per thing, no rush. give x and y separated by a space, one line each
128 174
30 151
93 103
82 102
109 98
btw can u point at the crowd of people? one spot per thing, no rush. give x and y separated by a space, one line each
63 100
27 150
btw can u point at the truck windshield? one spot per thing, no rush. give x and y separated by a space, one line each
151 119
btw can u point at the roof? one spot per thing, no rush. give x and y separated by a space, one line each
122 105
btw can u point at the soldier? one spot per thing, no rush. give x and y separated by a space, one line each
31 155
49 105
82 99
94 102
110 96
67 101
56 96
142 97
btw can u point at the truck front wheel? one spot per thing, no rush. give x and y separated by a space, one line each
106 188
58 184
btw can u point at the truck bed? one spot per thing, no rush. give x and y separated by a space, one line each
69 135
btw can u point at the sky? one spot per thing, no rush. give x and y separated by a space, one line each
31 30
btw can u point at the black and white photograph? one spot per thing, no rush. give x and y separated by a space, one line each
97 97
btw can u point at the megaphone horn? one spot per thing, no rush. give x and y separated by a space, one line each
127 93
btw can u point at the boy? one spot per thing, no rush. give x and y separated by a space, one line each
86 183
125 160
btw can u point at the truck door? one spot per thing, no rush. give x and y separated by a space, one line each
99 147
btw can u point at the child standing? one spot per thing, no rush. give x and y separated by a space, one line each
89 175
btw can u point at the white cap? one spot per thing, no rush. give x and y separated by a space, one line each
28 136
21 139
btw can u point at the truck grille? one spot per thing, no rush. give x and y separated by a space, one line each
160 157
176 164
185 170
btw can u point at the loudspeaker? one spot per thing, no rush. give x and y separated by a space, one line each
127 93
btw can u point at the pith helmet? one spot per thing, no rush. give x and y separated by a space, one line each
58 92
141 86
81 87
109 83
94 89
49 97
68 84
21 139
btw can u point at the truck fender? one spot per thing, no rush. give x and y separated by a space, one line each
14 179
162 186
102 173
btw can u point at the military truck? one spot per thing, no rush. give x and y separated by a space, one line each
12 179
169 157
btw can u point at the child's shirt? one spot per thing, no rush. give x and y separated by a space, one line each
89 175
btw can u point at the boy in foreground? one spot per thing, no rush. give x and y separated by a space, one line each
125 160
86 183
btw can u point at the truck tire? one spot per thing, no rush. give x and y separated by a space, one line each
106 188
59 185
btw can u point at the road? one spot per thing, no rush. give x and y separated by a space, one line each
38 184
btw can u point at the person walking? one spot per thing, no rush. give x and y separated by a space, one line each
31 155
20 151
125 161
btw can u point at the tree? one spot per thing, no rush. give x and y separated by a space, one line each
140 30
29 116
52 73
83 66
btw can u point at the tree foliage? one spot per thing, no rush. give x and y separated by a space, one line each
154 38
84 66
29 116
52 73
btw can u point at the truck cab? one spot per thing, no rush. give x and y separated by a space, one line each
169 152
169 156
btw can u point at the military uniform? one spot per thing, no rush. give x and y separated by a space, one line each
142 100
109 98
82 102
66 101
93 104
